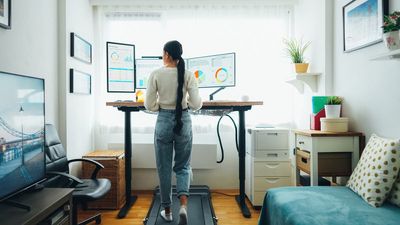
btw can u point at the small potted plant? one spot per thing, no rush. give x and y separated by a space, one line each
333 107
391 27
295 50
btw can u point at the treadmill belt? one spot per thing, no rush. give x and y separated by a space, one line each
200 211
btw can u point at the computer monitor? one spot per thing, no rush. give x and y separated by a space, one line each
22 157
214 70
144 67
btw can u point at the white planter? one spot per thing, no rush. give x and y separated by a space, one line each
392 40
332 111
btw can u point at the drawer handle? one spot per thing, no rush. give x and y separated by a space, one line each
271 180
271 166
272 155
301 142
275 134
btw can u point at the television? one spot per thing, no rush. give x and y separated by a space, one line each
214 70
144 67
22 121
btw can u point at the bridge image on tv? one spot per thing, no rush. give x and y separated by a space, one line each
20 158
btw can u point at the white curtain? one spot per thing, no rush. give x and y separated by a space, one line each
253 31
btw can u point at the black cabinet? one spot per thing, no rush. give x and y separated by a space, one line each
50 206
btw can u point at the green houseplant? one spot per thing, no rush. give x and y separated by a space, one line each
295 50
391 27
333 107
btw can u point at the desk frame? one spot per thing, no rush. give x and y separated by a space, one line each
240 107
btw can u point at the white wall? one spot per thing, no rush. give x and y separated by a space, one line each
317 28
370 88
77 111
30 47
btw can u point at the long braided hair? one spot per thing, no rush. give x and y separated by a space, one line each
174 49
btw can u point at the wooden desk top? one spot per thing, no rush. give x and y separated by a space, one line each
318 133
205 103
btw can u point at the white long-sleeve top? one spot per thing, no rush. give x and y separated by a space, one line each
162 86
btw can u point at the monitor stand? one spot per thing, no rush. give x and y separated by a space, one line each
215 92
17 205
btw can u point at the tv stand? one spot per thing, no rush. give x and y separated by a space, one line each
48 206
215 92
17 205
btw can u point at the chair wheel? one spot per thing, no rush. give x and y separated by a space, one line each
98 220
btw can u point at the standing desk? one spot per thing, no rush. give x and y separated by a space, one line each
129 106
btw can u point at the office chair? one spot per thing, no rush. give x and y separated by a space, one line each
58 176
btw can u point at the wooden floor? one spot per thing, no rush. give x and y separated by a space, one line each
225 206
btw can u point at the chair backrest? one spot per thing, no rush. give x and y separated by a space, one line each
56 158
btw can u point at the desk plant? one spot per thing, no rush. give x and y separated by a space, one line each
333 107
295 50
391 27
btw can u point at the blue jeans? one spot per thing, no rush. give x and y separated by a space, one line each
165 141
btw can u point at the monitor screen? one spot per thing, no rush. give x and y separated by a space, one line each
22 159
144 67
120 67
214 71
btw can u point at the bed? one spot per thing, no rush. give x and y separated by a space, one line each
323 206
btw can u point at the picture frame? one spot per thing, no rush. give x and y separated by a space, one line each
121 68
80 82
80 48
5 14
362 22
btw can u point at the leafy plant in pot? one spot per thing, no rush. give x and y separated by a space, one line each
391 27
295 50
333 107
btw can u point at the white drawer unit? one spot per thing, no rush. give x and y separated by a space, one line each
267 162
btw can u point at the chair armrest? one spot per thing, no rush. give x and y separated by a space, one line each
97 164
75 180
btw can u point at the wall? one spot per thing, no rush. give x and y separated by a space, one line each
30 47
76 111
370 88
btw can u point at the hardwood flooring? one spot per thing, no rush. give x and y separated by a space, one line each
224 203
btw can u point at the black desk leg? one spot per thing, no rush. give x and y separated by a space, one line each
130 200
241 198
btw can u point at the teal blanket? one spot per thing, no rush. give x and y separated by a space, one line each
323 206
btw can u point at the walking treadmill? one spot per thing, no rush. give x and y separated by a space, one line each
200 209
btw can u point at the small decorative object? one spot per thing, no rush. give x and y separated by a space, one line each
295 50
335 124
139 96
79 82
391 27
81 49
333 107
362 20
5 14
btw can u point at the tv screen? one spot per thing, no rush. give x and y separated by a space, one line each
213 71
22 159
144 67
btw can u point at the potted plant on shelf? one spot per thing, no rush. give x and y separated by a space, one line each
391 27
295 50
333 107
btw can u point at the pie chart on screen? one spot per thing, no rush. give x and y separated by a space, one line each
221 75
199 76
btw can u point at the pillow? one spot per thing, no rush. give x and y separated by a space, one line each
394 196
376 171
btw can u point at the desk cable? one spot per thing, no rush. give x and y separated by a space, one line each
219 137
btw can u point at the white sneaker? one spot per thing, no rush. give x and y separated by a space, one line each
166 217
183 218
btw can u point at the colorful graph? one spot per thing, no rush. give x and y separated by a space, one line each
114 56
221 75
199 76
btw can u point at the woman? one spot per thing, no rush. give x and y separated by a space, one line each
170 91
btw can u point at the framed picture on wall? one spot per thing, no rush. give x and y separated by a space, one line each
80 82
81 49
362 22
5 14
